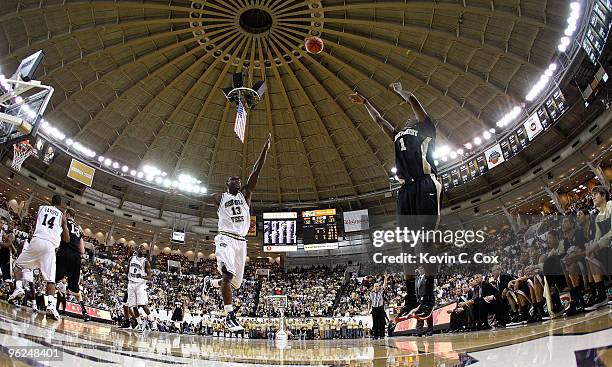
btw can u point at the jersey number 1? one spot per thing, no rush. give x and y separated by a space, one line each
402 144
49 223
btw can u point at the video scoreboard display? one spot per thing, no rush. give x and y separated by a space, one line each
279 232
320 226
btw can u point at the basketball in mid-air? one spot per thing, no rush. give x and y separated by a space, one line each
313 44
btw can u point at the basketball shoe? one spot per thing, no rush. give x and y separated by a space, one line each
17 294
51 308
231 323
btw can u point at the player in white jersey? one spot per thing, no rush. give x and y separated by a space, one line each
51 227
230 244
139 271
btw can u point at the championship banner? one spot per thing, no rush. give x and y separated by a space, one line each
173 264
80 172
494 156
89 245
356 220
533 126
252 227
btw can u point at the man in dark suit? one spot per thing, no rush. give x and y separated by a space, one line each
486 302
462 317
420 290
500 283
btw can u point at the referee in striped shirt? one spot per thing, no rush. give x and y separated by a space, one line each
377 309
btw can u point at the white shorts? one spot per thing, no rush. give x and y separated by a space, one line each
38 253
137 294
27 275
231 254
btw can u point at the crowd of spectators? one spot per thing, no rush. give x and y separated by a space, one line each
313 294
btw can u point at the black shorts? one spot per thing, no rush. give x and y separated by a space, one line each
418 203
177 315
68 264
5 267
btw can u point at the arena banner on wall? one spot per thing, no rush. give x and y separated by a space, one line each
80 172
263 272
252 227
533 126
320 246
356 220
441 317
94 313
494 156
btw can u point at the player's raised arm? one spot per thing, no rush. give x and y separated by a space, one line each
419 111
65 232
254 176
357 98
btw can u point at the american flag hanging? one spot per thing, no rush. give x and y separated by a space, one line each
240 124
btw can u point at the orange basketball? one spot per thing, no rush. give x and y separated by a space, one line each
313 44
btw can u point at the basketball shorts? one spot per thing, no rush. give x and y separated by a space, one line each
418 203
231 253
5 268
177 315
69 266
38 253
137 294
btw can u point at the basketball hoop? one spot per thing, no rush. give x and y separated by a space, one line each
279 303
21 151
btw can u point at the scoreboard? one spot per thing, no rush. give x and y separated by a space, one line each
280 231
319 226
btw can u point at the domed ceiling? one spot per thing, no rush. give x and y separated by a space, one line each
140 82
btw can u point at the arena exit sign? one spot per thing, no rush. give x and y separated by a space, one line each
80 172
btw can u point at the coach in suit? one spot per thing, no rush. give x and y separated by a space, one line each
420 293
377 309
500 283
463 314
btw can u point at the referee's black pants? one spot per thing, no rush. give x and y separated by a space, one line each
379 319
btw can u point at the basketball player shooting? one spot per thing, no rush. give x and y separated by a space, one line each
51 228
418 199
230 244
69 260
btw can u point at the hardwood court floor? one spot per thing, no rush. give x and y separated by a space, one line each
584 340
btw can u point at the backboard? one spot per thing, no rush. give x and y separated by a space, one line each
22 102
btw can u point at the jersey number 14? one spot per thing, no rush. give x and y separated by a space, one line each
48 223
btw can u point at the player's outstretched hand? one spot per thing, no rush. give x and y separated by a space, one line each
357 98
396 86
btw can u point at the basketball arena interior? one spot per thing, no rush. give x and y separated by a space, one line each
255 183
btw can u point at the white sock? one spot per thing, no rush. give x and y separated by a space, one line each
19 284
216 283
228 308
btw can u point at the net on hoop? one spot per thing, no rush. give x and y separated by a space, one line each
21 151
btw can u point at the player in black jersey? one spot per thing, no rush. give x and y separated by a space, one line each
68 259
418 199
